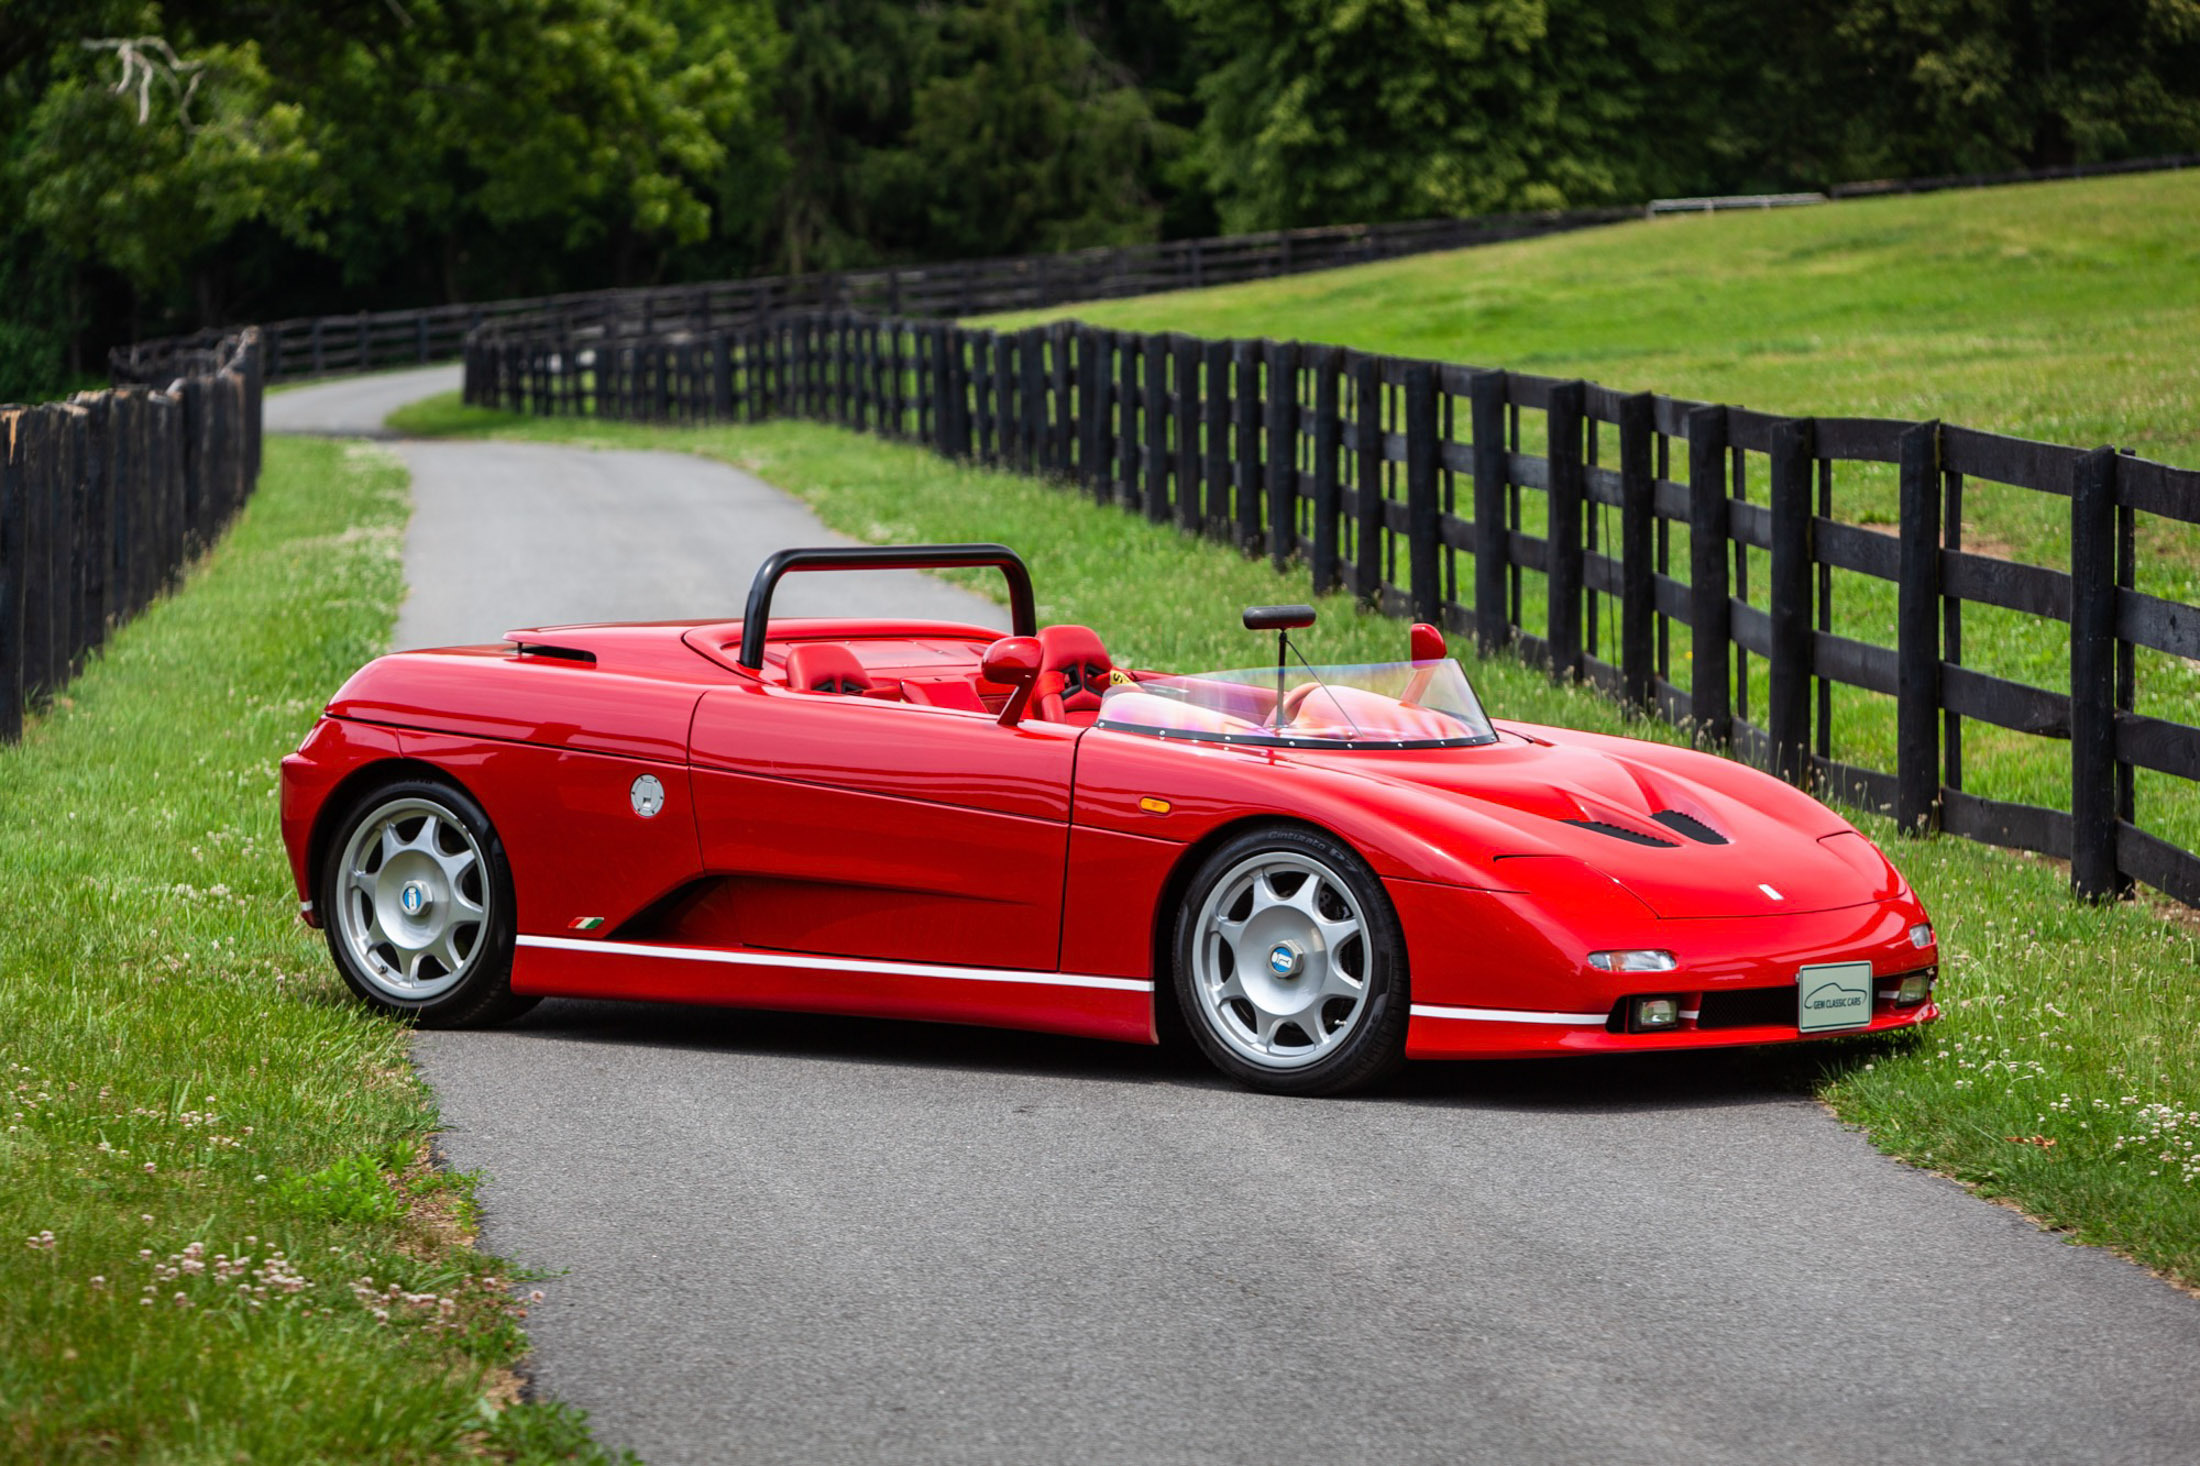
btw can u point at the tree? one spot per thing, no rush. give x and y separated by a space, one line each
1319 112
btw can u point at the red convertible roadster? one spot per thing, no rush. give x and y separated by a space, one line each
1319 870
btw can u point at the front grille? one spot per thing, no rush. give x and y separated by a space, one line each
1749 1008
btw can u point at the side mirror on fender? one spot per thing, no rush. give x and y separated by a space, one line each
1428 646
1014 661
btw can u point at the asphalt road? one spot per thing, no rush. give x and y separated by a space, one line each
353 407
786 1239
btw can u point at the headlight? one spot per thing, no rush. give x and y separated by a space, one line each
1643 960
1921 935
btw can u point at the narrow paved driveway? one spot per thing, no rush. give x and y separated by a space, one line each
787 1239
353 407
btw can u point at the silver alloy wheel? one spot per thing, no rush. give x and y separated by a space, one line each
412 898
1280 960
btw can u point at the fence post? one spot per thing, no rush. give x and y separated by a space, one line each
1063 431
318 349
1787 707
1283 455
897 382
1564 418
99 518
1917 635
1246 355
1367 442
1710 614
122 451
1185 351
1031 347
68 543
1215 466
35 453
956 369
1006 425
1092 388
1327 494
1493 627
1127 355
14 565
1638 589
1422 529
2094 795
1157 425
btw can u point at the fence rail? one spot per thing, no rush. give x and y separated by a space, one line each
316 346
1484 500
329 345
106 497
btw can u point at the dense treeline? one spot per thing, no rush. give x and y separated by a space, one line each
173 163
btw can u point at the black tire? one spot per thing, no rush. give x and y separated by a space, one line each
1334 950
448 963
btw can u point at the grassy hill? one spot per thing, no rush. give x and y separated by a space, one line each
2065 311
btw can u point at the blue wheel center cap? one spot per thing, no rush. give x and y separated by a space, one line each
413 898
1284 959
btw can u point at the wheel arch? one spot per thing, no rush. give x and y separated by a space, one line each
347 791
1168 1018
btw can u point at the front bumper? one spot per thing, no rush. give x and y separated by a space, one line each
1499 975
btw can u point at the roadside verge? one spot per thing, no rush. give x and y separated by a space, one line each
219 1236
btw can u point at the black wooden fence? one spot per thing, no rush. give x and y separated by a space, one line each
314 346
1418 486
106 497
331 345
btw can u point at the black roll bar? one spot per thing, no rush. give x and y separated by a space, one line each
1023 611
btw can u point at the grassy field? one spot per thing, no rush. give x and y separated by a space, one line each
2066 1075
2063 311
220 1238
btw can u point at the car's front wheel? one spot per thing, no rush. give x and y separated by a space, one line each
416 899
1290 970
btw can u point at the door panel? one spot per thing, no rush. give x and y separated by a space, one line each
858 828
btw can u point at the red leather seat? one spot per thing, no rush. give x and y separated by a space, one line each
1074 671
826 666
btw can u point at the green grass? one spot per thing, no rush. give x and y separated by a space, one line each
2065 1022
2063 311
194 1105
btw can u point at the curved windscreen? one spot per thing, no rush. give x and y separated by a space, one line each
1379 705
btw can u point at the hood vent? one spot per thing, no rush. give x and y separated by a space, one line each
1695 829
555 653
1621 832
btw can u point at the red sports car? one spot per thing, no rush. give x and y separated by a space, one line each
1320 871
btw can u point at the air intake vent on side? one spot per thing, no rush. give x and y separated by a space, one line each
1621 832
1695 829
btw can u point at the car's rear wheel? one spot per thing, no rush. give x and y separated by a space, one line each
416 899
1290 971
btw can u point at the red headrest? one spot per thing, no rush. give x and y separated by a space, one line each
825 666
1083 664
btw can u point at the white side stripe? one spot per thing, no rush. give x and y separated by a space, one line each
843 964
1497 1015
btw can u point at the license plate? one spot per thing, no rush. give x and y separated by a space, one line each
1834 995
